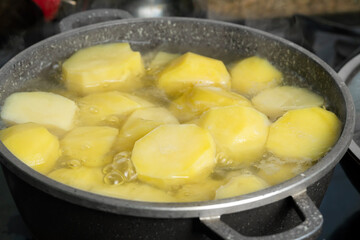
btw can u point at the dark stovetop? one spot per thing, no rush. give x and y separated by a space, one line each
335 39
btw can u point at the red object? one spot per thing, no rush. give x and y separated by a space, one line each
48 7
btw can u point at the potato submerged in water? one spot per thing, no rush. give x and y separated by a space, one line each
32 144
103 68
240 134
141 122
174 154
191 70
303 134
89 145
274 102
109 108
200 99
254 74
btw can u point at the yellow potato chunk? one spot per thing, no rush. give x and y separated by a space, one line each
254 74
84 178
141 122
135 191
102 68
33 144
193 70
274 102
279 171
200 99
201 191
108 108
160 60
90 145
240 134
240 185
303 134
44 108
173 154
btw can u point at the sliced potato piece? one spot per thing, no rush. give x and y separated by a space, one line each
240 134
90 145
160 60
173 154
303 134
202 191
278 172
109 108
274 102
200 99
254 74
84 178
45 108
33 144
193 70
240 185
141 122
102 68
135 191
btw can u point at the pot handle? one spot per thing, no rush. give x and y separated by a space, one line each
311 225
91 17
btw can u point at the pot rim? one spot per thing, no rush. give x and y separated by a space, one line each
188 209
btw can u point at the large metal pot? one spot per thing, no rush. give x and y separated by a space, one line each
285 211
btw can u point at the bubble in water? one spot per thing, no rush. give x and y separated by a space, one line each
73 163
108 168
114 178
93 110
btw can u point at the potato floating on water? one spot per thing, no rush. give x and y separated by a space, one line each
102 68
191 70
33 144
108 108
239 132
274 102
141 122
303 134
239 185
89 145
84 178
254 74
45 108
174 154
199 99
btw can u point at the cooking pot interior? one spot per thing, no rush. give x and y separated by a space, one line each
224 41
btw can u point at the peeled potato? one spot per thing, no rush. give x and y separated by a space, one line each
160 60
200 99
84 178
240 133
254 74
109 108
134 191
173 154
202 191
45 108
193 70
32 144
274 170
102 68
240 185
274 102
90 145
303 134
141 122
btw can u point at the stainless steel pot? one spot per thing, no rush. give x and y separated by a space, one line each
285 211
